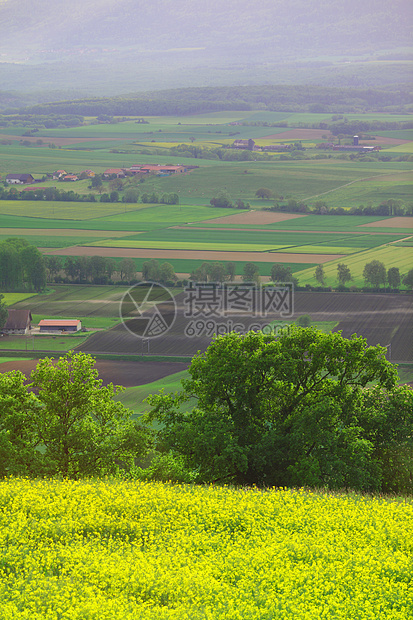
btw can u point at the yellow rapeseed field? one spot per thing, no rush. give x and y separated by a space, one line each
108 550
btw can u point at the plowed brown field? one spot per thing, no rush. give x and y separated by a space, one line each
123 373
263 257
381 319
254 217
393 222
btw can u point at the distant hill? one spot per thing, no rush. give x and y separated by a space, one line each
109 45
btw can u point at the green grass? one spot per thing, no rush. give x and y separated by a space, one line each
42 343
325 326
405 372
249 240
390 255
185 245
14 298
64 210
50 241
3 360
374 190
133 397
92 322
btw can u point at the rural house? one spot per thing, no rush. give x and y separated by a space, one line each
19 178
59 174
158 169
60 325
117 172
18 322
70 177
244 144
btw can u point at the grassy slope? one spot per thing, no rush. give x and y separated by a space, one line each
391 256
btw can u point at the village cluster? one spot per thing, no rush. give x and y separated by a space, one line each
110 173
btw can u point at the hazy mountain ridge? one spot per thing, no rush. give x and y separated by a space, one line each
289 27
104 47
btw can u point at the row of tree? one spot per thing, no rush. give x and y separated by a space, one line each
374 274
83 269
46 193
130 195
210 99
391 207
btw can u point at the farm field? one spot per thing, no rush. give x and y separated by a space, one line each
382 319
151 551
96 304
128 374
192 232
192 255
390 255
41 343
64 210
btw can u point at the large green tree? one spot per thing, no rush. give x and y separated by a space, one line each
18 439
81 427
251 273
393 277
343 274
374 273
281 411
280 273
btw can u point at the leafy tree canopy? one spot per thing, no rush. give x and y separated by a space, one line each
374 273
288 410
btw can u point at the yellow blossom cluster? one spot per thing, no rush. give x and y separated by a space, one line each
115 550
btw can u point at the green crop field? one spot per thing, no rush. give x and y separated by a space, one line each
340 182
42 343
134 397
78 301
3 360
118 550
373 190
390 255
185 245
13 298
64 210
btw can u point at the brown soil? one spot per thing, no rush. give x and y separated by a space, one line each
123 373
380 140
263 257
394 222
254 217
